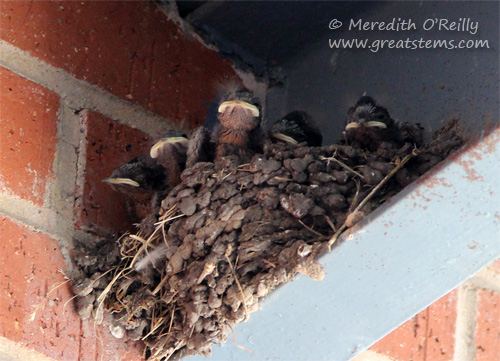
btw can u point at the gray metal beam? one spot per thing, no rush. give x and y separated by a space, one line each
407 254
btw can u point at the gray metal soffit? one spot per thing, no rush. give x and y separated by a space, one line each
261 36
431 237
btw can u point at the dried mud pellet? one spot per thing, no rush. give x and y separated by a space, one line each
316 166
321 178
117 331
268 197
383 167
188 206
264 166
336 201
404 177
371 176
85 306
296 188
317 211
299 177
341 176
296 165
296 204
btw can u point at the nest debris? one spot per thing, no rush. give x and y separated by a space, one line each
229 234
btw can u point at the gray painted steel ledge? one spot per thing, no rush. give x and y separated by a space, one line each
410 252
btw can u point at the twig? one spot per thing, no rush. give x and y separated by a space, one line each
343 165
330 223
310 229
247 315
356 196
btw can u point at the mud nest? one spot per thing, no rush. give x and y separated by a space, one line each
229 234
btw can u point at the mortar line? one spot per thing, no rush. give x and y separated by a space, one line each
79 94
81 164
488 279
465 326
33 218
61 192
12 351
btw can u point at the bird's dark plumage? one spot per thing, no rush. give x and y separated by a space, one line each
171 153
370 124
139 181
298 126
201 147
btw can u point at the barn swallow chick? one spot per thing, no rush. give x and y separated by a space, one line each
370 124
201 147
297 127
171 153
140 181
239 115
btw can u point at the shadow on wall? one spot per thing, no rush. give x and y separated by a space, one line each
427 86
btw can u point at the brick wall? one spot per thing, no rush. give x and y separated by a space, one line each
85 87
464 325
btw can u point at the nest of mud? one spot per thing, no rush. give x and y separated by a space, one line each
228 235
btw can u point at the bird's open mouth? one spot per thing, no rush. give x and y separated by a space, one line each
369 124
230 105
284 138
155 149
125 181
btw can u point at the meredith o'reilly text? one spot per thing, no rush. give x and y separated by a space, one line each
439 24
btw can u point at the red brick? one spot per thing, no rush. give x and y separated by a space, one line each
488 326
128 48
34 307
429 336
109 145
28 126
496 265
441 328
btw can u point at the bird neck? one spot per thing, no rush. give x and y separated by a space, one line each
234 136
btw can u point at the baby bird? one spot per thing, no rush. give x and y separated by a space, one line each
171 153
240 133
370 125
141 181
296 127
201 147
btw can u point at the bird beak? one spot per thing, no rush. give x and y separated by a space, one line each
373 123
240 104
155 149
126 181
352 125
285 138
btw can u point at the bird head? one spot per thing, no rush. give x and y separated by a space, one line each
370 124
296 127
366 113
141 174
239 110
172 140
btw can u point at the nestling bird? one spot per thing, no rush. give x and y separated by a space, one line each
369 125
296 127
240 133
201 147
142 181
171 153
